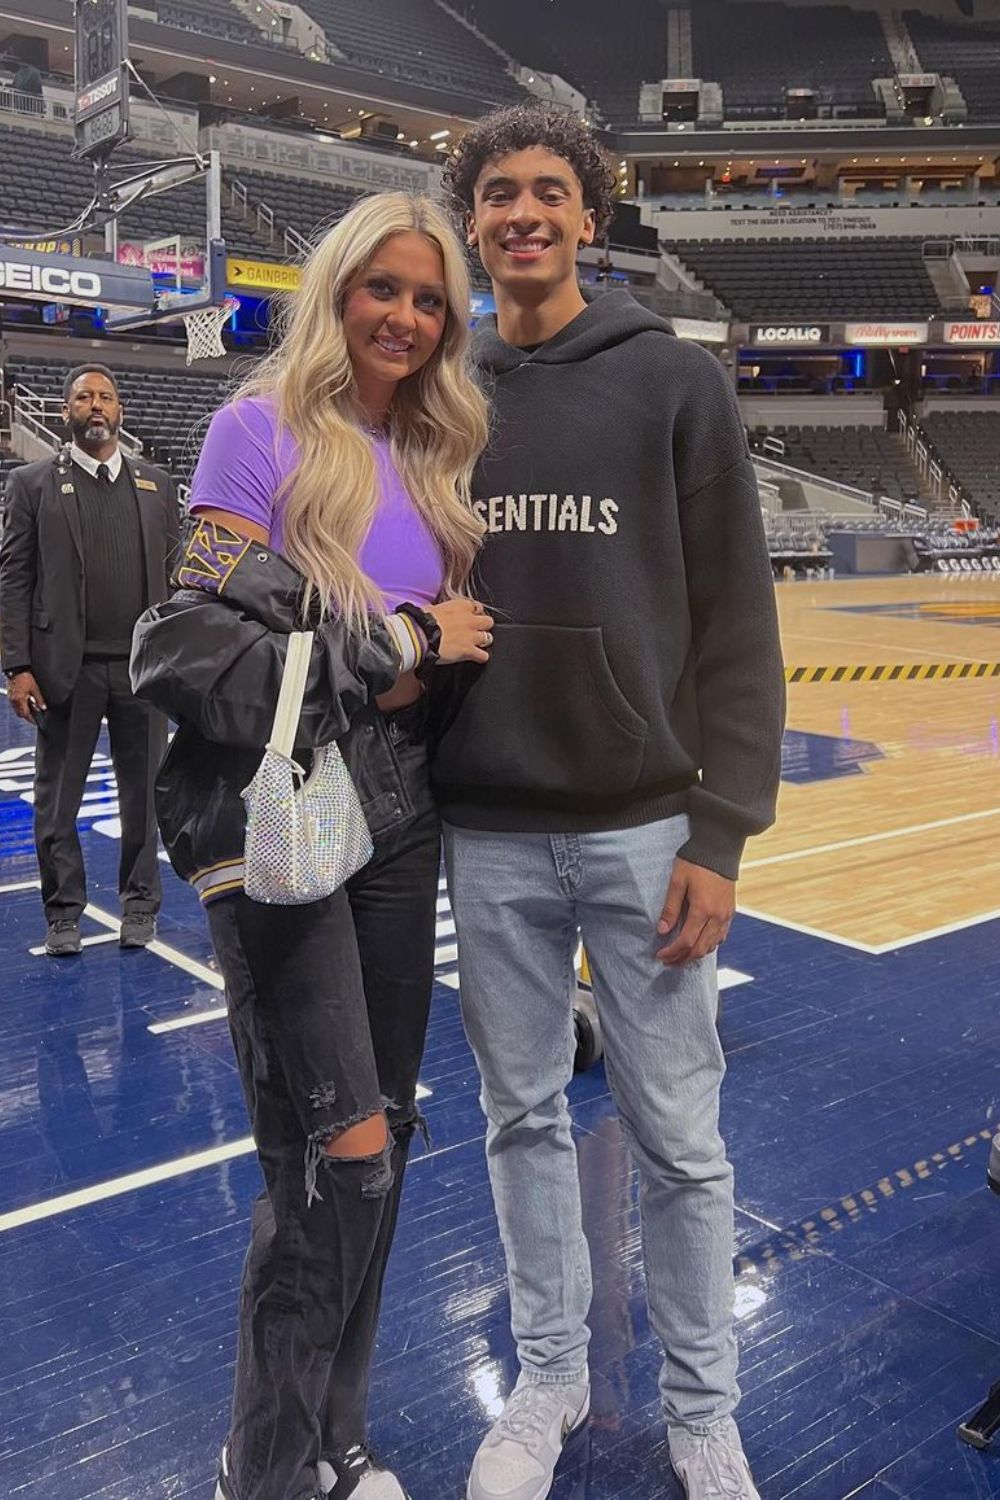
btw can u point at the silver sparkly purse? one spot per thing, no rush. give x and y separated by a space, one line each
305 835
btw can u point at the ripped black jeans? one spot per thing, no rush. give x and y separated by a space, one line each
328 1007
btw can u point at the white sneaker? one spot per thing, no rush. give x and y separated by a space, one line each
222 1489
360 1475
712 1465
517 1458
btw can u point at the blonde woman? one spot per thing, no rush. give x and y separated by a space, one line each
335 486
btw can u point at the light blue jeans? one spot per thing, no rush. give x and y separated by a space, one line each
520 901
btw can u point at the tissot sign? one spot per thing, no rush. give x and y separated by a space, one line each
763 334
972 333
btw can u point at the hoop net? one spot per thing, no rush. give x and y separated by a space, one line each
204 330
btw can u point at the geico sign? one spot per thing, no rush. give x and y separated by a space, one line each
55 281
972 333
799 334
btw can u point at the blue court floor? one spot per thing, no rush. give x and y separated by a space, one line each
861 1096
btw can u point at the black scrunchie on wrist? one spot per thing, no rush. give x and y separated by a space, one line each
431 632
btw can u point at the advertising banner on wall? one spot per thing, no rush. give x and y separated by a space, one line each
788 335
164 258
971 333
885 335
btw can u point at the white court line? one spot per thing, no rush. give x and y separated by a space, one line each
87 942
813 932
875 950
179 1023
21 885
446 954
869 838
164 950
936 932
116 1186
99 1192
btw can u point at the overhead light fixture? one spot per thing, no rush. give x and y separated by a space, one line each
440 135
414 143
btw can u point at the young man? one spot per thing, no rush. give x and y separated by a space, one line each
601 777
88 543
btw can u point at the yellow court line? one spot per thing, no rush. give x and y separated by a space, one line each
949 671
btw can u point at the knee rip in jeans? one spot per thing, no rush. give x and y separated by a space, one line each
376 1182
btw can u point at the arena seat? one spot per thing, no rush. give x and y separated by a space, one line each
758 50
969 444
868 458
418 41
168 414
968 51
606 55
46 187
813 280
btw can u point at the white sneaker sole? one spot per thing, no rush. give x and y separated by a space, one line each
547 1487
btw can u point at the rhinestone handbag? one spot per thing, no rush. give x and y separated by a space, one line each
306 835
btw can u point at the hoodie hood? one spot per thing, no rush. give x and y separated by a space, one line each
611 319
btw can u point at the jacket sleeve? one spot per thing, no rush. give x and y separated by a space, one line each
739 677
18 564
209 664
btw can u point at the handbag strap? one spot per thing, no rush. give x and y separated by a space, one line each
291 693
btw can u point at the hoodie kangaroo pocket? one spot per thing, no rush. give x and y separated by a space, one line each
546 716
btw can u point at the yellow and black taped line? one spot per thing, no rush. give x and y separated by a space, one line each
801 1240
926 671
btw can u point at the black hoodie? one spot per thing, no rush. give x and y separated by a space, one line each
625 561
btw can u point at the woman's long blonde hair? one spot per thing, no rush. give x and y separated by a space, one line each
437 423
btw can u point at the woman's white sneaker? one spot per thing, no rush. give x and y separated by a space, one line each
518 1457
357 1475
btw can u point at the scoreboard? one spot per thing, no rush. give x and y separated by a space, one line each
102 80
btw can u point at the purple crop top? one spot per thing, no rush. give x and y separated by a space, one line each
244 459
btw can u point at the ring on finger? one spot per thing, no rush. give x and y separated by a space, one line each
487 636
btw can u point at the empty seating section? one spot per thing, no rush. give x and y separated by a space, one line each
813 280
45 189
606 54
966 51
867 458
168 410
757 51
304 204
417 41
969 444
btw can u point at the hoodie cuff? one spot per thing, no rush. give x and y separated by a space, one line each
714 848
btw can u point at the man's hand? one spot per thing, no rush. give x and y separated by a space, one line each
25 696
707 902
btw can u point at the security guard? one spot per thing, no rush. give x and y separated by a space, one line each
88 541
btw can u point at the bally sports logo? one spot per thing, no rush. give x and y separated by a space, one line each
794 333
972 333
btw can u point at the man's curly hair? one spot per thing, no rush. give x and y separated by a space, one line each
519 127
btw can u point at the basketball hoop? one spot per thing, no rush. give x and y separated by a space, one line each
204 330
